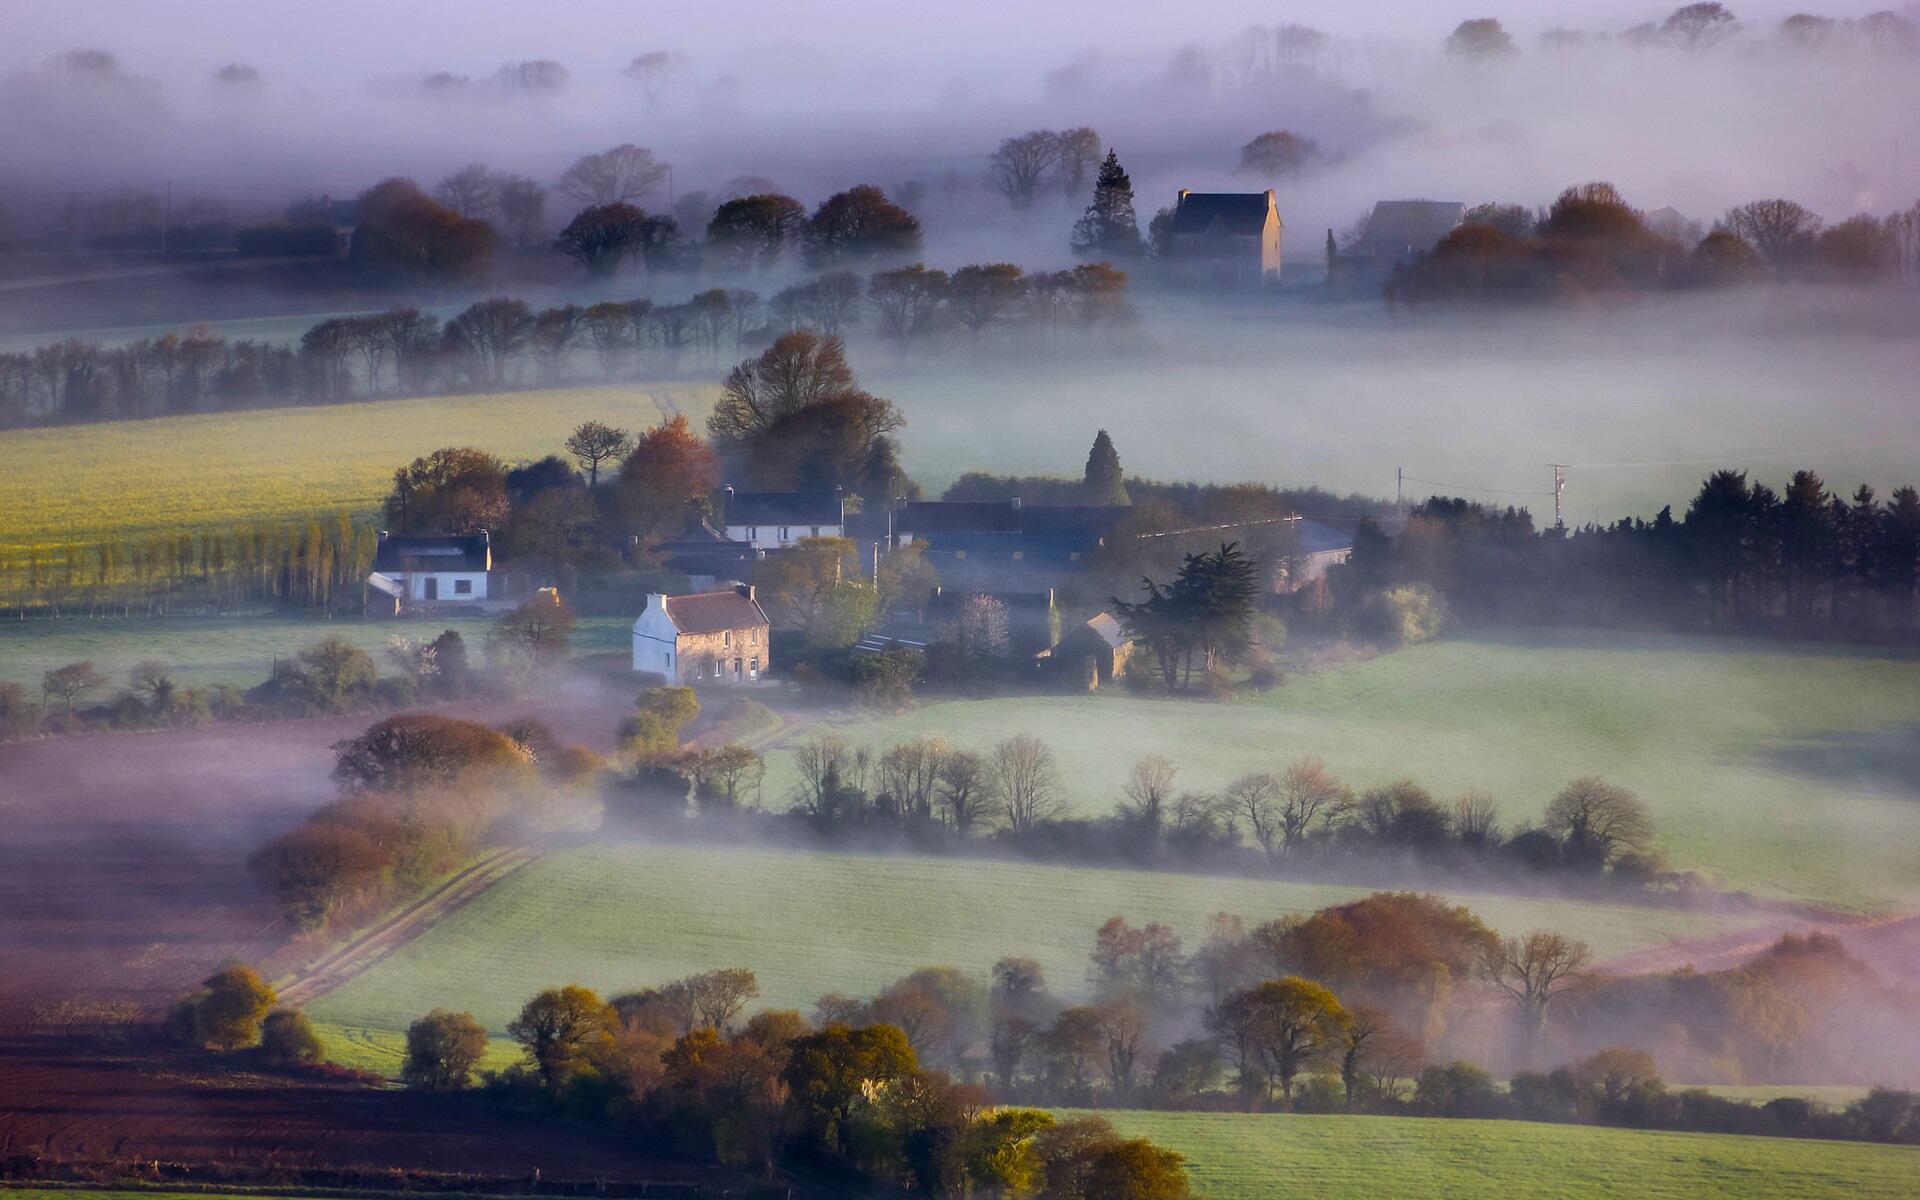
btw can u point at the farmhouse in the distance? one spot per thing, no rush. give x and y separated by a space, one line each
777 520
420 571
703 638
1232 236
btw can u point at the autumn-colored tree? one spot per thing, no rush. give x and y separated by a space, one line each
402 231
564 1031
798 416
1277 1028
287 1039
754 231
419 750
443 1048
859 224
539 629
667 480
831 1071
228 1010
453 490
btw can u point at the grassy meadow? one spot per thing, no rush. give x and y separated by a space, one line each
622 915
1792 771
69 485
236 650
1236 1156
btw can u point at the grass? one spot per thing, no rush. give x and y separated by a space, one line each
236 650
1793 771
619 916
78 485
1235 1156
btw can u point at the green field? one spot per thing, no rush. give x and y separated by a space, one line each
236 650
81 483
1237 1156
1792 771
623 915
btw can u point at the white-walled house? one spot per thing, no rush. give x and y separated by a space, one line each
703 638
415 571
778 520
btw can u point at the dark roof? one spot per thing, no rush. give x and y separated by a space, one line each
1240 213
946 599
924 517
422 552
784 508
711 612
1402 227
1086 521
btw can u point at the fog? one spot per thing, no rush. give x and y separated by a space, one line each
823 95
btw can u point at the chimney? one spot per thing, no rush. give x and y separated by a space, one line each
745 589
1182 199
383 535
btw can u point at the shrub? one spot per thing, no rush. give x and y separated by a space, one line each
442 1050
1402 616
416 750
287 1039
314 869
228 1011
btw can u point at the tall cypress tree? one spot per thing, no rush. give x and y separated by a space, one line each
1105 482
1108 229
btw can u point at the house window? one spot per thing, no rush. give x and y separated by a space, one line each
463 587
1018 555
753 532
816 531
726 638
719 667
959 553
753 637
784 533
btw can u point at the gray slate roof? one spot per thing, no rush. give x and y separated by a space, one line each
784 508
1404 227
422 552
1238 213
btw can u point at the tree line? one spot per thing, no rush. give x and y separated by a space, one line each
503 342
1797 561
1591 241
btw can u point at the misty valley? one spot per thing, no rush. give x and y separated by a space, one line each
834 600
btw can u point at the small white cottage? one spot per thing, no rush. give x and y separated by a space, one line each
416 571
703 638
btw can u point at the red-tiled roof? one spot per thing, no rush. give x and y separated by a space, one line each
711 612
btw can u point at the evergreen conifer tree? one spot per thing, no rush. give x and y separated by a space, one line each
1109 229
1105 482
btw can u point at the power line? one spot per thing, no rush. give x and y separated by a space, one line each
1461 487
1725 459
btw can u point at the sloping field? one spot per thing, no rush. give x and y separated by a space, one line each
619 916
1235 1156
1789 770
77 484
236 650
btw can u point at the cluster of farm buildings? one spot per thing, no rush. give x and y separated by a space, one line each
718 633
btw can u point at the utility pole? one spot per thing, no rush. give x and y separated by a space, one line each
1559 485
166 218
1399 480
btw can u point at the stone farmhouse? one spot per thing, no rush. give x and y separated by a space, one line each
412 571
705 638
1229 237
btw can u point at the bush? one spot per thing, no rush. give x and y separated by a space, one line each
287 1039
315 869
442 1050
416 750
1402 616
1458 1089
228 1010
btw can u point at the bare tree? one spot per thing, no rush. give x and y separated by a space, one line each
907 300
1475 819
1076 151
1256 797
1309 797
472 191
710 1000
1533 972
1148 791
1025 782
522 203
626 172
824 764
1699 26
910 773
71 682
1779 229
655 71
963 790
1018 167
1598 822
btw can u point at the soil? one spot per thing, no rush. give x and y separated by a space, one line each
68 1101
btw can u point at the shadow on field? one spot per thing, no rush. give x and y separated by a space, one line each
1885 760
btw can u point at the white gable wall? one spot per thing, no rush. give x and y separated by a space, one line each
654 639
447 584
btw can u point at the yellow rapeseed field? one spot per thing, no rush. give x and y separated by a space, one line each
80 484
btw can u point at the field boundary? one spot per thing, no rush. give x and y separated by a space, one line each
375 943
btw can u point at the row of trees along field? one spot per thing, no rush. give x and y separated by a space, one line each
504 342
1803 559
317 564
1591 240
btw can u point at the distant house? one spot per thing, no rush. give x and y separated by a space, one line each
703 638
1400 230
417 571
1004 545
709 558
1098 648
778 520
1227 235
1315 548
